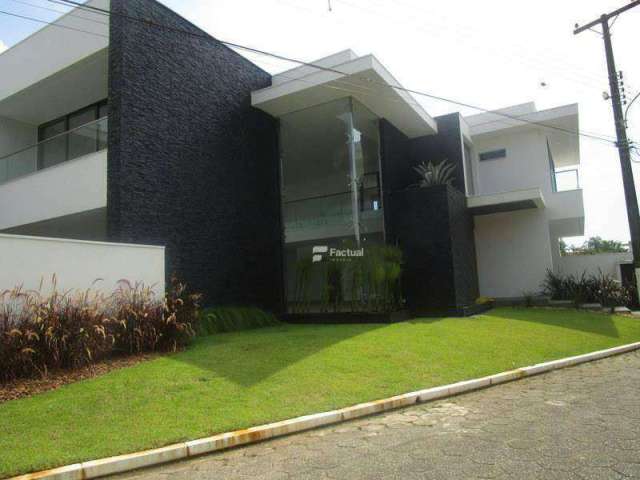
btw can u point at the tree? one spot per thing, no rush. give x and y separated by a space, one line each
564 248
596 245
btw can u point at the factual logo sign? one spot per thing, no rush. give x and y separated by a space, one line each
320 252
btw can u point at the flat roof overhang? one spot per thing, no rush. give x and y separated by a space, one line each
506 202
561 125
81 84
74 36
363 78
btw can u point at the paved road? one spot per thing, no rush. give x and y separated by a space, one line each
581 422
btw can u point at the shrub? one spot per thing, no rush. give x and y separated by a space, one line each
374 279
485 301
144 324
231 319
528 299
435 173
610 292
70 330
600 288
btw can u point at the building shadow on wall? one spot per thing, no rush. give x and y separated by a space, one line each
247 358
589 322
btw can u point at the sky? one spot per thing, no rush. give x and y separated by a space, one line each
493 54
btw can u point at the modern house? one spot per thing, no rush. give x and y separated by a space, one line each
143 129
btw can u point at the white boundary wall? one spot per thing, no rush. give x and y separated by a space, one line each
609 263
77 264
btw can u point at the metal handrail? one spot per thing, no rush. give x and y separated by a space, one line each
318 197
67 132
572 170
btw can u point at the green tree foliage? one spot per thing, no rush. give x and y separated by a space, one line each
593 246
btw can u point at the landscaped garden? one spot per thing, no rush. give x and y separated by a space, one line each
227 381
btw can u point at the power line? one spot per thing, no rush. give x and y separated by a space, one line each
559 64
302 63
24 17
333 70
350 87
626 112
58 11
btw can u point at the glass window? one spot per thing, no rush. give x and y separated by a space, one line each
468 170
54 149
82 140
330 189
79 134
103 110
493 155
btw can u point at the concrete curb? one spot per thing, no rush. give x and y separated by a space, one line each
124 463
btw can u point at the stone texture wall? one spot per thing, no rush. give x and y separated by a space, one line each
432 225
191 164
446 144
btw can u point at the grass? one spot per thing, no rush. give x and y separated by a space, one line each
234 380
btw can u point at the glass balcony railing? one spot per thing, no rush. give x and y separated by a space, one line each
566 180
335 209
88 138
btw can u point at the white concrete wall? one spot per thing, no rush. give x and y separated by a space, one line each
52 49
77 264
513 252
70 187
15 136
525 166
608 263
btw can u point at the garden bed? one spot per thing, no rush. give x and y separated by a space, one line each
56 379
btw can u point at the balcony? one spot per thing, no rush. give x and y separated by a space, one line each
58 178
565 180
331 216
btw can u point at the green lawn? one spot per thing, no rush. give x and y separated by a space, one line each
234 380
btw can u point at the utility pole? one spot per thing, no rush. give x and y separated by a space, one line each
624 149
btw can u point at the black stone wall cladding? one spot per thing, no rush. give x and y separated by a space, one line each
421 223
431 225
191 165
463 249
446 144
396 171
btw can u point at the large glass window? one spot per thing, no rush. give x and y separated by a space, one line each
74 135
331 184
468 170
54 150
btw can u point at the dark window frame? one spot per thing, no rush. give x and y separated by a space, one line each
94 106
493 155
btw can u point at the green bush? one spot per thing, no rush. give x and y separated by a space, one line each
601 288
370 283
231 319
40 332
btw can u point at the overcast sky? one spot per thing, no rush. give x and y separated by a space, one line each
492 53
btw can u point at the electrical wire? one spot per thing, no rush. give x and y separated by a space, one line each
58 11
597 81
289 59
626 112
24 17
151 23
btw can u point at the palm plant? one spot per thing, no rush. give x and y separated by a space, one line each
431 174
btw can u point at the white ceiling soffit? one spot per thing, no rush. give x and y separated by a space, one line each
72 37
506 201
72 88
363 78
